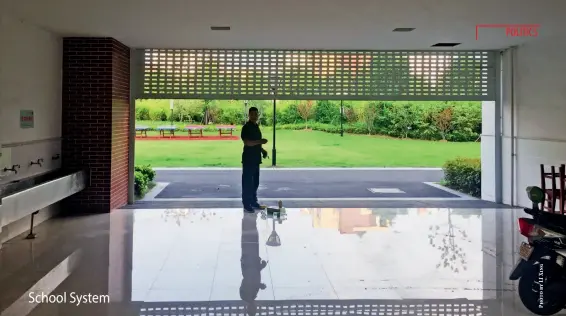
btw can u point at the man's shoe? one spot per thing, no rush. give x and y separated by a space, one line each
249 209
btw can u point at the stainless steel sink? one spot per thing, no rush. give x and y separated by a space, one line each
22 198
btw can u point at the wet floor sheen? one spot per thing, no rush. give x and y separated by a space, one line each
225 262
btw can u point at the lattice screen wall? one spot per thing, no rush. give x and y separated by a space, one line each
322 308
300 74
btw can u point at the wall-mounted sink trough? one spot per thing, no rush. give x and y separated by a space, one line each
28 196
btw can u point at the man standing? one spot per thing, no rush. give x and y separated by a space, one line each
251 159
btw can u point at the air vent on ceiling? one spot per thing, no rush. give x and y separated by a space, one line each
404 29
220 28
446 44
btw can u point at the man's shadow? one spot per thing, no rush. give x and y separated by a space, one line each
251 262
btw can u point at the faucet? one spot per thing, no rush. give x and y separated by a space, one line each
38 162
14 169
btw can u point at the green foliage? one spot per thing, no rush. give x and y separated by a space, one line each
368 114
464 175
142 113
290 115
141 183
158 114
396 119
143 176
350 115
147 171
355 128
327 112
232 116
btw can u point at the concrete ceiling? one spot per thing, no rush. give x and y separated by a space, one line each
294 24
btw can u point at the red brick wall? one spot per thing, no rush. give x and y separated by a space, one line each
95 119
120 124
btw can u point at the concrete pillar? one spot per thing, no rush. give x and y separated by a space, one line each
96 93
488 153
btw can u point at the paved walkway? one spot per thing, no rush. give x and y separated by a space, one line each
302 184
329 187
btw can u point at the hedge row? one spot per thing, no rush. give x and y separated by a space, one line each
464 175
429 121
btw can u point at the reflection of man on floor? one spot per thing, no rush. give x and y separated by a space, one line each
251 159
251 263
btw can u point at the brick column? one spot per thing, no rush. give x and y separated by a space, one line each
96 93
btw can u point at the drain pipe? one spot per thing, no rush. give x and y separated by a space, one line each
513 149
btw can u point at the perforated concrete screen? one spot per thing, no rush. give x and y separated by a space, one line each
322 308
302 74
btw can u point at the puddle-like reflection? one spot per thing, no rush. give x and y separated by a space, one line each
363 261
251 263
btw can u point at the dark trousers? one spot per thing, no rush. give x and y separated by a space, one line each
250 183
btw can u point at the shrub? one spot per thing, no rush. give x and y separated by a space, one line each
402 119
327 112
267 118
464 175
466 124
368 115
232 116
289 115
157 114
356 128
142 113
140 183
181 112
443 121
147 171
305 109
396 119
350 114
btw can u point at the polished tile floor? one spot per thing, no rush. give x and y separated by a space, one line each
224 262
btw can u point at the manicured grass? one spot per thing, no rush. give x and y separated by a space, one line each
307 149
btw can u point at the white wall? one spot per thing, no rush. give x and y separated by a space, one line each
488 143
539 112
30 79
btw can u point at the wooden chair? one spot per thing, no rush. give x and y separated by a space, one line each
562 190
552 194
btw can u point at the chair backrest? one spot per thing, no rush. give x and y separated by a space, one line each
549 194
562 190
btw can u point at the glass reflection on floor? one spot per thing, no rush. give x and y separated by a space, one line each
309 261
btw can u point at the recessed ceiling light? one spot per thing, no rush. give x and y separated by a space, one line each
220 28
404 29
445 44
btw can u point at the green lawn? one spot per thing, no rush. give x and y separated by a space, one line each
307 149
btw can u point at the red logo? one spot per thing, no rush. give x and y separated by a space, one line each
512 30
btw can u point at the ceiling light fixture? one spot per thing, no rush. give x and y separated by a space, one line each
445 44
220 28
404 29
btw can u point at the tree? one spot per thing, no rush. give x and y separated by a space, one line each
306 110
208 108
443 121
403 117
453 256
350 114
368 115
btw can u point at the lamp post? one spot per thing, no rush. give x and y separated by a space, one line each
245 111
171 108
273 158
341 118
274 91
